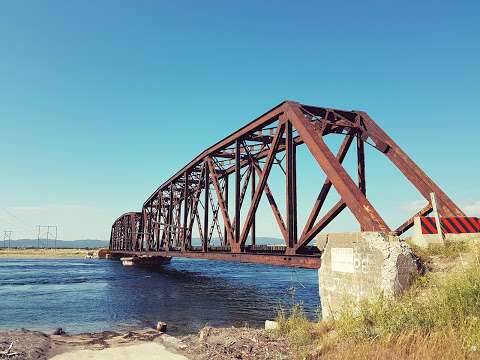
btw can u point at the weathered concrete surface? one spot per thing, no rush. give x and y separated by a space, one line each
360 266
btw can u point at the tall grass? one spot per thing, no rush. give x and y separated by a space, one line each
440 303
305 337
438 318
450 250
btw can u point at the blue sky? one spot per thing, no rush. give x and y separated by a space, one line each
102 101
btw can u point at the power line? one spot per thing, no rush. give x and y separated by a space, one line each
18 222
7 235
51 234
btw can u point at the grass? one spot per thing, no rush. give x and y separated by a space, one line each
439 317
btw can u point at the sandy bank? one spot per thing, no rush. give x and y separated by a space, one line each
142 344
150 350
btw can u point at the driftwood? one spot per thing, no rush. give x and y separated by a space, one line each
7 352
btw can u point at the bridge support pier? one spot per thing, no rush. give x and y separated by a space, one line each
361 266
145 261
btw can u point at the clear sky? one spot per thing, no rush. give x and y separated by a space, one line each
101 101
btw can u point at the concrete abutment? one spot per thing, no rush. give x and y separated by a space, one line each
358 266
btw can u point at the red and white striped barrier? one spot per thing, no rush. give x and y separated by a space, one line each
451 225
453 228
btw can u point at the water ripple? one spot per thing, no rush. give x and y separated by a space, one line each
95 295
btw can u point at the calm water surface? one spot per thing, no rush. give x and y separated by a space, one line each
95 295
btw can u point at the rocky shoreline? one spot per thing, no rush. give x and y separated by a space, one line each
210 343
36 345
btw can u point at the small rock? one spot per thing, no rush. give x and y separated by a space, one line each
58 331
161 326
204 333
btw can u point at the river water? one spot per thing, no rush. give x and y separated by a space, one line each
84 295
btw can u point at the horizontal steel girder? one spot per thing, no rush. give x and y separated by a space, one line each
306 262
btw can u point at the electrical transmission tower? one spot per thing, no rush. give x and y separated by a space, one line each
45 233
7 235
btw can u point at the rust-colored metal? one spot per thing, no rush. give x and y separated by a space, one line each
273 258
409 223
126 233
196 199
322 196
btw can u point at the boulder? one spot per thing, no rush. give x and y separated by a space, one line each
161 326
58 331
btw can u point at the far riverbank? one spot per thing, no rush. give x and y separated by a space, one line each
45 253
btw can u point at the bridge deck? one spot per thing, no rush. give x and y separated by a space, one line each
302 261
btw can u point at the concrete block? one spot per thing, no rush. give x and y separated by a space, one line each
270 325
360 266
424 240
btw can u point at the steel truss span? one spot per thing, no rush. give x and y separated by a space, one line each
208 194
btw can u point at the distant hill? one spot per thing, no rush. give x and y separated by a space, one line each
92 244
259 240
75 244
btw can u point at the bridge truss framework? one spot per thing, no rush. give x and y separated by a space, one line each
199 194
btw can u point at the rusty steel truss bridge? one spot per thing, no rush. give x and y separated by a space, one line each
197 197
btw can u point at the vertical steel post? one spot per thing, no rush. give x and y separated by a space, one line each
225 192
238 178
291 188
185 211
193 209
177 220
361 168
206 208
252 233
144 228
159 220
361 165
169 219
